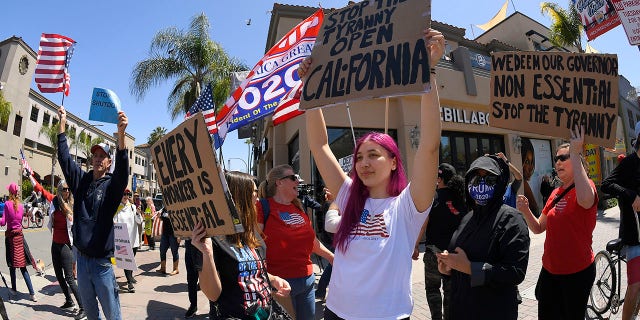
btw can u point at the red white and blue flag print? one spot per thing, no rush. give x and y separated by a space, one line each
52 67
269 80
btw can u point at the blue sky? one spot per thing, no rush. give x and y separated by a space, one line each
114 35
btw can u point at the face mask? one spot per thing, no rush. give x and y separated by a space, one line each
480 191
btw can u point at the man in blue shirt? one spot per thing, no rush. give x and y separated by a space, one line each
97 194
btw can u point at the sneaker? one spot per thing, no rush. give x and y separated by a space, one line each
191 312
80 315
131 288
68 305
33 298
123 288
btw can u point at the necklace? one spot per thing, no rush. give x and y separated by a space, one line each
365 212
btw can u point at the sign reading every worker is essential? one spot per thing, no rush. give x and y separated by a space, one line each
551 93
372 48
191 183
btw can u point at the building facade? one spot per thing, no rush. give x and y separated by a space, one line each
31 112
464 81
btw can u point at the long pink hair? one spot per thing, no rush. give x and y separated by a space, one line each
358 192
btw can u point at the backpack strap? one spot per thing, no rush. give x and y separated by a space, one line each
265 211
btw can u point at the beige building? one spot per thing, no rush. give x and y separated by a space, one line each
463 79
31 111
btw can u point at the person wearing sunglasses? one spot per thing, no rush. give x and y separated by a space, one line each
488 254
290 238
569 218
624 184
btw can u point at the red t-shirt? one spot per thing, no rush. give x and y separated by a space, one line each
289 237
567 247
60 232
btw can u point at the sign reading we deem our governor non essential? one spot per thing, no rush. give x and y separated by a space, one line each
190 180
372 48
550 93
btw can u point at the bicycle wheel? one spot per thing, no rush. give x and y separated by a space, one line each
25 222
604 287
39 220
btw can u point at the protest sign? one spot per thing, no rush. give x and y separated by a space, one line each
369 49
123 252
592 156
550 93
193 188
105 106
629 13
597 16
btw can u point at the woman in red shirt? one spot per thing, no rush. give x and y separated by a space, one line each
290 239
60 222
569 218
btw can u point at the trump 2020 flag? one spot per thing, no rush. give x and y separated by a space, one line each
105 106
273 76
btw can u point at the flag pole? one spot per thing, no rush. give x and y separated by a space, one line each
386 115
353 134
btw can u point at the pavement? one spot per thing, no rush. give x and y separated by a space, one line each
165 297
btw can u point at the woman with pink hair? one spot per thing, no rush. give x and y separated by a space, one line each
18 254
381 213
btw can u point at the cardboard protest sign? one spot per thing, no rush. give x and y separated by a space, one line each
550 93
369 49
105 106
123 252
193 188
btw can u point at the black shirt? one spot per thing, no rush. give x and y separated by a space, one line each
624 182
444 218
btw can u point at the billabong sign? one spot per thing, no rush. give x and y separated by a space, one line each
372 48
551 93
192 185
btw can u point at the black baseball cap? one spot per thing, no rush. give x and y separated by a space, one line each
446 171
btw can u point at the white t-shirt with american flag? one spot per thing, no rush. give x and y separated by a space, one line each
372 279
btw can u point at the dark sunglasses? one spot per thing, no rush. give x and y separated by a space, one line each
562 157
490 180
128 194
293 177
65 189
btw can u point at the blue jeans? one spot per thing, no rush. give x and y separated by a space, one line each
303 296
25 275
96 279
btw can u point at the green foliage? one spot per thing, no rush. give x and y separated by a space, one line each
566 26
27 188
5 109
191 58
156 134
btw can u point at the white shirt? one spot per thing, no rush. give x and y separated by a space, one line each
127 215
372 279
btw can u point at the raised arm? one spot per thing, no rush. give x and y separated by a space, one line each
425 171
318 140
210 283
585 195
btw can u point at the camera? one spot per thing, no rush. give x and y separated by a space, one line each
305 190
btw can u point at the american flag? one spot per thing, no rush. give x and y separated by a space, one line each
373 226
288 106
292 219
205 104
121 250
52 68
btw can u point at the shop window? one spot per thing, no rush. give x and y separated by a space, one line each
460 149
445 149
293 149
17 126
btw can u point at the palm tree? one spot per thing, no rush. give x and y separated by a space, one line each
5 110
156 134
51 133
566 26
192 59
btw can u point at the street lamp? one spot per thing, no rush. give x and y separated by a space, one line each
78 137
245 163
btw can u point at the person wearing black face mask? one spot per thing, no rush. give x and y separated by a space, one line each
488 254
